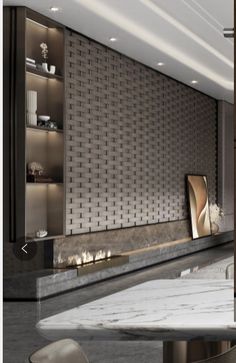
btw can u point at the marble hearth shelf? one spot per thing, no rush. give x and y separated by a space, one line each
42 284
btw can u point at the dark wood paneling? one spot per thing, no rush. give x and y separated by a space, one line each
225 170
14 124
234 172
6 117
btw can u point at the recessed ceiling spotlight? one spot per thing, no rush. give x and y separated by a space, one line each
160 64
194 81
54 9
113 39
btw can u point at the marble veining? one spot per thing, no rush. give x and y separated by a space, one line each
157 309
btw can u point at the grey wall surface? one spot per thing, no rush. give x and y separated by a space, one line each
226 162
131 136
119 240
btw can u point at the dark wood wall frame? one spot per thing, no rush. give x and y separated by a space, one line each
234 177
16 74
14 123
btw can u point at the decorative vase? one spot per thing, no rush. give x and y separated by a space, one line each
214 228
32 108
45 67
52 69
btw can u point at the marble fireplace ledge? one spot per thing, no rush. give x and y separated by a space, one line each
155 310
46 283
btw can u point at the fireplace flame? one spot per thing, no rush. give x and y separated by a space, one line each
74 260
100 255
87 257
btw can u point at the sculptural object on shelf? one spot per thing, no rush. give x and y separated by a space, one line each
41 233
35 168
31 103
36 173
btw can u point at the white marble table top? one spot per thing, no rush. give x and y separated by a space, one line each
155 310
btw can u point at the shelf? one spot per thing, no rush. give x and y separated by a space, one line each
38 73
47 183
44 209
45 129
37 239
44 197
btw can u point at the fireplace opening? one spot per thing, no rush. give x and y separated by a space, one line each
89 262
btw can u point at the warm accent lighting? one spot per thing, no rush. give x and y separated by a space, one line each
87 258
113 39
35 22
194 81
156 41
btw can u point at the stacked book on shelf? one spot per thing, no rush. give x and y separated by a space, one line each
30 62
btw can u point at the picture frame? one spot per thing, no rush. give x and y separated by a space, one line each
198 202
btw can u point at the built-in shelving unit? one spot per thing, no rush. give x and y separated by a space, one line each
36 239
44 129
45 145
43 74
34 193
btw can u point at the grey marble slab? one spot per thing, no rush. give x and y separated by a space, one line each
155 310
58 281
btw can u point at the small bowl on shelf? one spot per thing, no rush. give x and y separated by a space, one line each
41 233
44 118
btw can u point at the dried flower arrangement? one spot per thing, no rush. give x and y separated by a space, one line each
216 214
44 51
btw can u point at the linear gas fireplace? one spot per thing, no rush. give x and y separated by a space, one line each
89 262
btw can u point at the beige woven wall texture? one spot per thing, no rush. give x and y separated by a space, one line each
131 136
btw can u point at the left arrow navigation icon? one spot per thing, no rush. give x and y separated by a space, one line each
23 248
25 251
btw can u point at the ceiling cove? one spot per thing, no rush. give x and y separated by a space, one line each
181 38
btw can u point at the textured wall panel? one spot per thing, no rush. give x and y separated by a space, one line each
131 136
226 162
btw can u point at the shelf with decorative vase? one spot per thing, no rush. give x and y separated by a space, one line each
39 73
35 173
